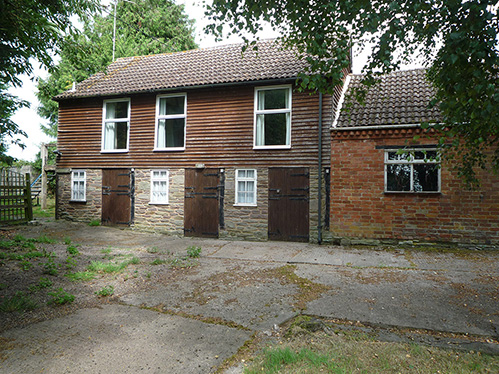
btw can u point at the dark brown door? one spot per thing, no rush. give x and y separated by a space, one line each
117 191
201 207
288 204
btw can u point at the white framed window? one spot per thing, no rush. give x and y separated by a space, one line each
272 128
246 187
159 186
415 170
78 185
171 114
115 125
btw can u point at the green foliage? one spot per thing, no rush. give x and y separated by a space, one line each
143 27
457 40
50 267
29 31
112 267
105 291
193 252
17 303
60 297
42 283
95 222
26 265
158 261
72 250
81 276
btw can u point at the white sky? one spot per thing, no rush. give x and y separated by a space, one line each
29 121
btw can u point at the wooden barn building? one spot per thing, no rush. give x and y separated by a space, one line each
210 142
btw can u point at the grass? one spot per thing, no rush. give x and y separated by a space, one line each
357 352
38 212
81 276
20 302
112 267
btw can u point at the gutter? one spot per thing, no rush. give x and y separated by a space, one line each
319 193
377 127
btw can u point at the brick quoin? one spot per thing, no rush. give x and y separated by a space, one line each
361 209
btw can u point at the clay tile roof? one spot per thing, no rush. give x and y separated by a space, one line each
217 65
400 98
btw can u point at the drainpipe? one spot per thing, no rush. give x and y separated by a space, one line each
319 223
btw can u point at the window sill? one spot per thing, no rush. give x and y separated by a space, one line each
154 203
172 149
246 205
270 147
114 151
78 201
413 192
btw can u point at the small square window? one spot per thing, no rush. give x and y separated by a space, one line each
412 171
170 122
78 185
273 117
246 187
159 186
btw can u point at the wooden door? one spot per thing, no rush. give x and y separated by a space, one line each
117 195
288 204
201 203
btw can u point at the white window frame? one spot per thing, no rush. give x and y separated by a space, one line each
105 120
411 161
273 111
79 179
245 179
166 179
173 116
160 179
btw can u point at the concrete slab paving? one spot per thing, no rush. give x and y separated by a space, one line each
118 339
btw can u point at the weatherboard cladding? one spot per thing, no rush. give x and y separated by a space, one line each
199 67
400 98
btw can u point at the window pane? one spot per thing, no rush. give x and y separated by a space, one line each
171 105
250 173
398 177
425 177
275 128
171 132
398 157
117 110
241 173
121 135
274 99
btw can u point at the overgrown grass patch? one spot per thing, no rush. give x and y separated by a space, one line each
20 302
357 352
60 297
81 276
112 267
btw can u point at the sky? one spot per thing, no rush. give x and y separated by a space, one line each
28 119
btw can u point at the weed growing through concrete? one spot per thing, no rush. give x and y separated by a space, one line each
42 283
81 276
193 252
112 267
60 297
94 222
105 291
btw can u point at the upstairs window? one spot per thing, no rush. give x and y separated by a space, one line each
159 187
246 187
116 125
78 185
170 122
412 171
272 117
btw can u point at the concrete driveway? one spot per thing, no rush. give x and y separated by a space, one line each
191 324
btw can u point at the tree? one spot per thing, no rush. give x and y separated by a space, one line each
457 39
29 30
142 27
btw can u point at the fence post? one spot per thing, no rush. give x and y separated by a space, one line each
27 200
44 156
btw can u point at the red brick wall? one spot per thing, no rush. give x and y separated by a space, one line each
361 209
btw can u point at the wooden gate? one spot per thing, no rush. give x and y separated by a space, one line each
15 197
117 196
288 204
201 203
